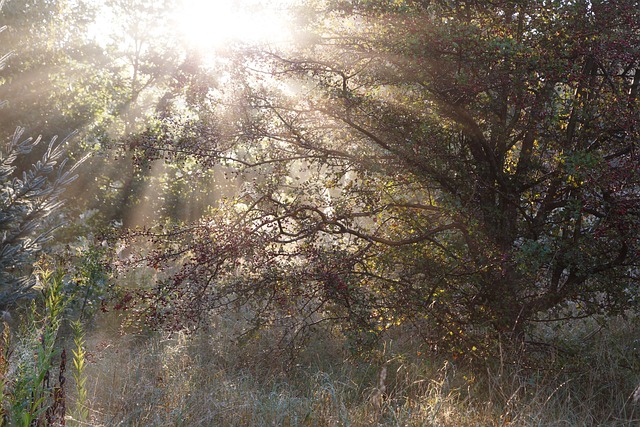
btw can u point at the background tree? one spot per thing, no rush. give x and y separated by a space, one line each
55 79
155 72
468 168
29 200
100 70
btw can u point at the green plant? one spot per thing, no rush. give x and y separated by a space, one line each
32 180
81 411
91 279
28 198
33 396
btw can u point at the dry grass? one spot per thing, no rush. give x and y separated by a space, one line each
209 380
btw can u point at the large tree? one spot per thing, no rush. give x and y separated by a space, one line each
465 167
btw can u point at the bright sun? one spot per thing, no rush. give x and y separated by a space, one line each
211 24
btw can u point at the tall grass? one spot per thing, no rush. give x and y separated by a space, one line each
208 379
582 373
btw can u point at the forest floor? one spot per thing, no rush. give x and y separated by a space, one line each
210 379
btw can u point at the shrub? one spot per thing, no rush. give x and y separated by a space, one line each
28 201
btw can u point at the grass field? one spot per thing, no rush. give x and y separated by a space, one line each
208 379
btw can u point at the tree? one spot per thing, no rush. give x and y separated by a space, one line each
57 78
103 87
29 198
28 201
153 67
465 167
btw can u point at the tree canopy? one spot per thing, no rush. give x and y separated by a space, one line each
465 167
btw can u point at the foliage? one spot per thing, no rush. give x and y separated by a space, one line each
76 67
33 369
29 200
56 77
81 411
32 396
92 279
30 194
208 378
465 167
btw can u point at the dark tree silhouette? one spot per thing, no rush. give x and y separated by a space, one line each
465 167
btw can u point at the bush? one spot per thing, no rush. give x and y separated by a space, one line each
29 200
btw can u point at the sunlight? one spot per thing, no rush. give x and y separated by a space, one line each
211 24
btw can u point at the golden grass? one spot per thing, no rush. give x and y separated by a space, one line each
207 379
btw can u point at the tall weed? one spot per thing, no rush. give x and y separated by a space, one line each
32 395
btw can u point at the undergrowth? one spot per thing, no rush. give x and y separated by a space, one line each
580 373
207 379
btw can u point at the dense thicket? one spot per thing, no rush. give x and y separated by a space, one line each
465 167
